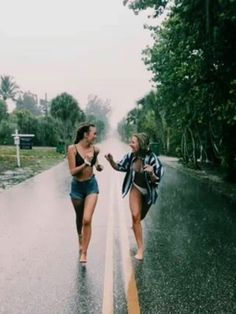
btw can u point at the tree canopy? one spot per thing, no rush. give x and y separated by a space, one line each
3 110
193 63
8 87
66 110
28 101
97 111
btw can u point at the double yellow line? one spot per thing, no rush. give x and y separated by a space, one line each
107 307
127 268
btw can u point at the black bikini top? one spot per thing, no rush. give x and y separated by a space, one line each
79 160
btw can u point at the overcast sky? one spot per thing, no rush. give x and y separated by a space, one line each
81 47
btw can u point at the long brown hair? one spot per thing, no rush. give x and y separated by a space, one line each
84 128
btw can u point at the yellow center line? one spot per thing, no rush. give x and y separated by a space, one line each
107 307
128 271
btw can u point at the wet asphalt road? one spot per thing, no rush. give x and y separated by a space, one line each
190 255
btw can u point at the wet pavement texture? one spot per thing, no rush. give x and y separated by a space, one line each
190 248
190 255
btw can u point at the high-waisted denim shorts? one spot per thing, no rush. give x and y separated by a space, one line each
81 189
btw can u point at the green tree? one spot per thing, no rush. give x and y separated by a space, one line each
7 125
7 128
66 109
150 117
125 129
97 106
27 123
157 5
98 111
193 63
48 133
3 110
28 101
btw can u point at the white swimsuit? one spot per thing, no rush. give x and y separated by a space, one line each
141 190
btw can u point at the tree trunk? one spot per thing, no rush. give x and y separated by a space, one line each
168 140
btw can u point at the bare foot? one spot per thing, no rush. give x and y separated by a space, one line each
83 257
139 255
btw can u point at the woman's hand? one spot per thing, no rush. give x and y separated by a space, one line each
99 167
148 169
109 157
88 158
150 172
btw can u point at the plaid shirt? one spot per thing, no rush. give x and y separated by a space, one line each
126 165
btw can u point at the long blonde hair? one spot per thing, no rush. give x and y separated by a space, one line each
143 140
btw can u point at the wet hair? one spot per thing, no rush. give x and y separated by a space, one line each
143 140
84 128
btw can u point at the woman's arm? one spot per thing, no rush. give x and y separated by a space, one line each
122 165
71 161
114 165
98 166
154 178
154 169
150 171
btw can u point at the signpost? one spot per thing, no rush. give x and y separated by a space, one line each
17 137
17 143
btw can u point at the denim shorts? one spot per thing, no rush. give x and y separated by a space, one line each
81 189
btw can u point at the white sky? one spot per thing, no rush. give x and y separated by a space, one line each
81 47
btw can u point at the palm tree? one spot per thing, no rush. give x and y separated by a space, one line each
8 87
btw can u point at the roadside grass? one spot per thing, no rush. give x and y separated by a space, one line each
33 161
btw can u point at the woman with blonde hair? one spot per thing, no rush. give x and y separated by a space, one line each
143 173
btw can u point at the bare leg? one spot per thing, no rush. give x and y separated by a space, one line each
89 207
145 208
135 201
79 211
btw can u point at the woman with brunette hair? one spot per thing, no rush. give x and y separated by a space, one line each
143 173
82 157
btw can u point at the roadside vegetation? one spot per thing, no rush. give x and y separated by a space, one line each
33 161
191 110
37 158
52 122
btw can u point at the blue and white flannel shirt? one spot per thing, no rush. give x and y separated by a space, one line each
126 165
